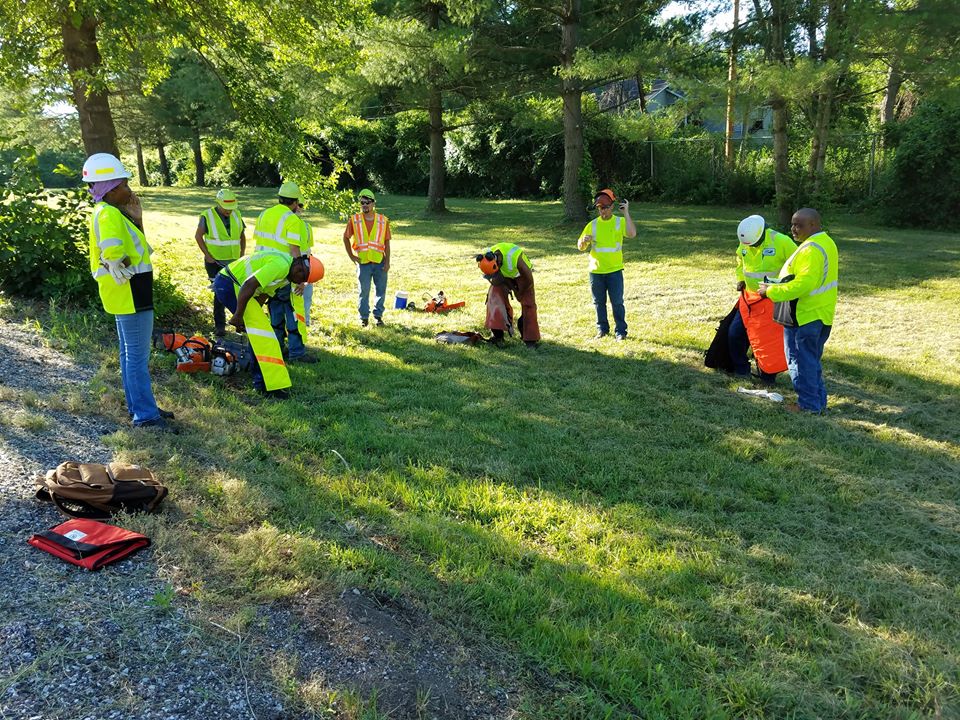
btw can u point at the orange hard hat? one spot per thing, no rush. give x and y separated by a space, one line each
488 263
316 270
606 191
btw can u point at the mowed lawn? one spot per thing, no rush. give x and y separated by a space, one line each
617 519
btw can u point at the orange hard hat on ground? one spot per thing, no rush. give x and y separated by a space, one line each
316 270
605 192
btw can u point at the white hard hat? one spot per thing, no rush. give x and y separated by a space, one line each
750 229
103 166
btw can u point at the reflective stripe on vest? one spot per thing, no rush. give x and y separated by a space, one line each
511 259
758 275
824 285
615 248
214 223
361 241
141 247
276 239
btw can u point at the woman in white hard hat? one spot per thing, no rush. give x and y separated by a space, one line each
120 263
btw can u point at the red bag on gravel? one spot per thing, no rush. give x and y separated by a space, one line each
88 543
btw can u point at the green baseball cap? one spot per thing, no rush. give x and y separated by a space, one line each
367 193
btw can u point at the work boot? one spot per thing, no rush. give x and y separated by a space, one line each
165 414
497 338
219 332
379 322
364 322
600 334
307 358
621 336
532 344
274 394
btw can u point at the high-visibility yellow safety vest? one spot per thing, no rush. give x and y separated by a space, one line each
511 258
277 229
270 267
114 237
370 246
763 259
815 266
606 250
222 243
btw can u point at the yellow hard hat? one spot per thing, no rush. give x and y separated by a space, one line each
289 189
227 199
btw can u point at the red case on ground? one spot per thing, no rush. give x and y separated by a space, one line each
88 543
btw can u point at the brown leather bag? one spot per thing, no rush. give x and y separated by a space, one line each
92 490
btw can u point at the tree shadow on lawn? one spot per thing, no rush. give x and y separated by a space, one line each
796 531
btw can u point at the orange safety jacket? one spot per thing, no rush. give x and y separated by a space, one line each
765 335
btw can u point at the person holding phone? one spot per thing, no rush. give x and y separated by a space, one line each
603 238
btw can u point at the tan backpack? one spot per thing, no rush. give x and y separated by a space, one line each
91 490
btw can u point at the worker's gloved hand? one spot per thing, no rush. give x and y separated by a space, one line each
118 272
741 286
584 242
237 322
298 289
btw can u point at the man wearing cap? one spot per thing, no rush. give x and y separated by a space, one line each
280 229
762 252
221 237
367 242
603 237
257 277
506 268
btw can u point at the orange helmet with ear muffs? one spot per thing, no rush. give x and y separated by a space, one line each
488 263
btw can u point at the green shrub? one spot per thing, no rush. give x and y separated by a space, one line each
921 184
43 237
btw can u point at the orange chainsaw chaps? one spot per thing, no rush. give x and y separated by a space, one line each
765 335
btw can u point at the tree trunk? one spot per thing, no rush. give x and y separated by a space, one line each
642 93
164 165
818 145
573 202
894 81
436 202
200 175
833 44
141 167
732 88
781 162
89 93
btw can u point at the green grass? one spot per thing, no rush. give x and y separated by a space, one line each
616 518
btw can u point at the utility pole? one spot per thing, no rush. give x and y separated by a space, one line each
731 87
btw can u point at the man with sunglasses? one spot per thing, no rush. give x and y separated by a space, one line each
506 268
280 229
367 242
603 237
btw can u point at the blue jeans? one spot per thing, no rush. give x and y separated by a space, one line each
284 323
225 291
804 348
135 332
738 342
602 285
365 273
307 302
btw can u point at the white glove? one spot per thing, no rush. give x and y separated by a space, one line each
118 272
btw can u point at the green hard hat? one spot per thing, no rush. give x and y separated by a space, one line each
367 193
289 190
227 199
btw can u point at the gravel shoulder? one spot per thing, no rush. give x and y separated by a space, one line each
121 643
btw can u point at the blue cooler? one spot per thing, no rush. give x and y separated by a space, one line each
400 301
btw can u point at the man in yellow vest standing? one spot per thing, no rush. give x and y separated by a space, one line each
257 277
280 229
367 241
762 252
506 268
221 237
807 289
120 262
603 237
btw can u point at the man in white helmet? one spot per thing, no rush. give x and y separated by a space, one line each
120 262
762 252
221 237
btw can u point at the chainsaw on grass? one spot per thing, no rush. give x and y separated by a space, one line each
437 303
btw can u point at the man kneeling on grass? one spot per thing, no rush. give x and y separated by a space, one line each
259 276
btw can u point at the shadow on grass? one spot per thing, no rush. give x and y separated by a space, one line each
659 552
